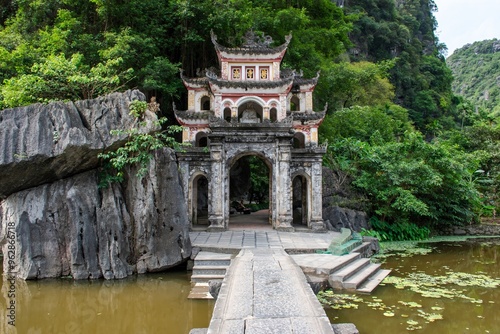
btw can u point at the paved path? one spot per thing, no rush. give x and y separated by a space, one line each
265 292
233 241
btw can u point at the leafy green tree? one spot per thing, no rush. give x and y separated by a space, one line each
390 122
59 78
412 181
476 68
404 30
259 180
344 84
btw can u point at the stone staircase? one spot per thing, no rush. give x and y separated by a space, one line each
343 266
346 243
207 267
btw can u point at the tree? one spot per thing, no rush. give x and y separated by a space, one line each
348 84
59 78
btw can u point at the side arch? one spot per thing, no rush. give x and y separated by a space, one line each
301 198
198 198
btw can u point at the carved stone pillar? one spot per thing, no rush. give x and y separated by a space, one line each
317 223
216 187
284 188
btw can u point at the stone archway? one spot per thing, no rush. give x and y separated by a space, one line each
198 201
300 200
250 182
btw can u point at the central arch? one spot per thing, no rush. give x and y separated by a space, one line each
249 193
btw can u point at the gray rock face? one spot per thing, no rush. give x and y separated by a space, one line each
70 227
44 143
345 329
336 217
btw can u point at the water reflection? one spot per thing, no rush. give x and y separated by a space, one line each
155 303
476 312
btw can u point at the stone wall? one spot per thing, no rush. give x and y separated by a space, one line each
479 229
67 226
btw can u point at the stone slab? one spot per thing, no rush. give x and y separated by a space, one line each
264 291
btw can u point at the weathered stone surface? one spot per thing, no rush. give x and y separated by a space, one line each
345 329
338 191
476 229
371 249
214 288
70 227
157 202
44 143
336 218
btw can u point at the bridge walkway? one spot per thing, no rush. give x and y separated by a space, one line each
266 292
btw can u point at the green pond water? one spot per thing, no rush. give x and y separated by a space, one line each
453 288
153 303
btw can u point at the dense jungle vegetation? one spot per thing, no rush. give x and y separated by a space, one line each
403 146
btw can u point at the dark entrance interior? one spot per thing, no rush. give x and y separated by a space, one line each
200 201
249 187
299 202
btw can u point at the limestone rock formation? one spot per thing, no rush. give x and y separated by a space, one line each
342 207
55 221
336 217
43 143
70 227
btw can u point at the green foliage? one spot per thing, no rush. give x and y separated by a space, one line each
475 70
154 39
59 78
404 30
137 108
258 206
259 180
482 141
137 151
405 178
347 84
396 231
386 123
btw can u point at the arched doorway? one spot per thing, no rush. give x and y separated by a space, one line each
199 201
249 191
300 201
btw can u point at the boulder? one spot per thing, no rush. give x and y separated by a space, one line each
345 329
42 143
336 218
71 227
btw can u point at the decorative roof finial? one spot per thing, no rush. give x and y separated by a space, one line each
252 40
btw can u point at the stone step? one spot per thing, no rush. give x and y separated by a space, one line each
210 256
209 270
206 278
361 276
373 281
323 264
337 278
200 291
212 259
361 248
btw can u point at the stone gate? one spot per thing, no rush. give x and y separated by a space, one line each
252 107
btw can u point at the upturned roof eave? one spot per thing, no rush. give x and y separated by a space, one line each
229 53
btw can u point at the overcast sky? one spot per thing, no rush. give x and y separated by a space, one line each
467 21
